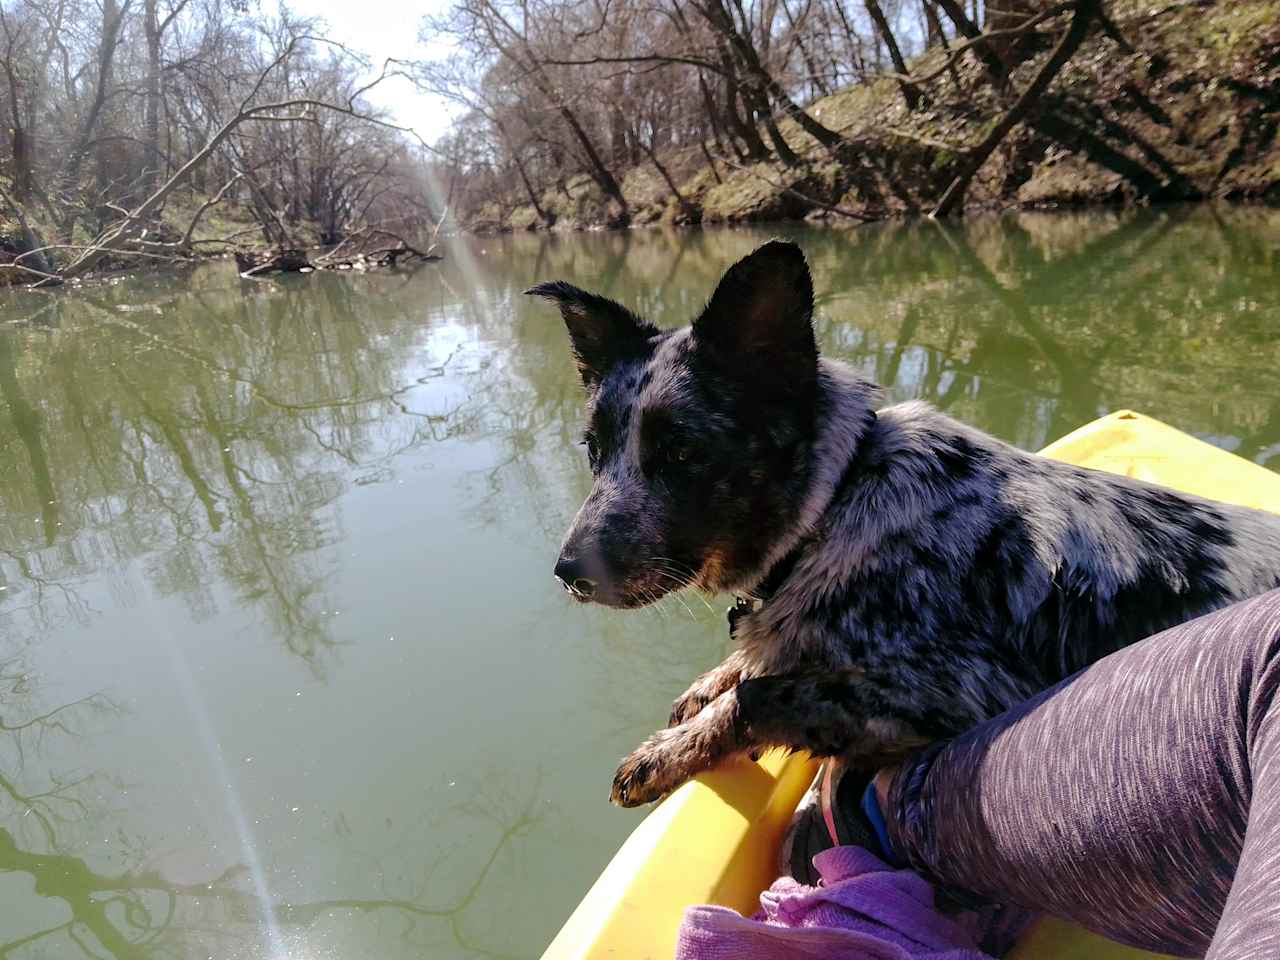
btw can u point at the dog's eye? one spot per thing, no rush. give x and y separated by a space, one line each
677 453
593 450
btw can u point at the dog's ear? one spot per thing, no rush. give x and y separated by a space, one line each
602 332
760 319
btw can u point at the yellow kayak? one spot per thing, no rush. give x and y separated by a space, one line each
716 840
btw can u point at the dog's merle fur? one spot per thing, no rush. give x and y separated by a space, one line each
934 575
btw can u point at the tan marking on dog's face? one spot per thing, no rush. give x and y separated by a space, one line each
711 573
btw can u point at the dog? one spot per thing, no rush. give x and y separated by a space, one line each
900 576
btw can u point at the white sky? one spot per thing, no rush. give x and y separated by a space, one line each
381 29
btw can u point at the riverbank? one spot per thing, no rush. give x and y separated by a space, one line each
1191 112
229 235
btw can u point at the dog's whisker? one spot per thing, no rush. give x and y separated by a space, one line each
678 597
676 566
684 576
646 603
677 580
683 582
653 603
702 598
687 609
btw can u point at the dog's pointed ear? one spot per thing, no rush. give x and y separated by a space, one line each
602 332
760 318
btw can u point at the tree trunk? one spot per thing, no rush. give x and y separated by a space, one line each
934 36
824 135
617 123
599 172
24 179
545 217
31 240
1006 15
780 145
815 76
935 29
517 50
151 103
720 20
1079 139
909 92
996 68
744 126
711 161
19 142
713 113
954 196
671 184
112 21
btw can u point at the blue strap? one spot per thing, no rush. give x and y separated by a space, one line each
871 807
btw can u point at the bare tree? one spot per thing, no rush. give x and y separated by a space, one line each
1083 16
909 91
124 115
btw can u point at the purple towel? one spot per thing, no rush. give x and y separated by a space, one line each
863 909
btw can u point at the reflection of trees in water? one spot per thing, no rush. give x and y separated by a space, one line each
525 402
1027 325
216 440
141 914
137 913
1048 321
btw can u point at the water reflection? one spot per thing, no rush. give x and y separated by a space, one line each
216 439
137 911
333 501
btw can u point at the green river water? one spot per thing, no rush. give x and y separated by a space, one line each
283 669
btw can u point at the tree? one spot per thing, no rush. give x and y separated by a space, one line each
119 113
1084 13
909 91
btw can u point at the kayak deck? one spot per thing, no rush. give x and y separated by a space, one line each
716 840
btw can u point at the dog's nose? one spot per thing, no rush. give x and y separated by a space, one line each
570 573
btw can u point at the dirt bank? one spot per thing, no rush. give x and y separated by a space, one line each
1182 102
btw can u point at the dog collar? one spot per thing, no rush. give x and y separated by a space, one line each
765 589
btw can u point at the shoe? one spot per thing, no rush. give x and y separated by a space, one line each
831 814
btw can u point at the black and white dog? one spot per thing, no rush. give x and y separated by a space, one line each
901 576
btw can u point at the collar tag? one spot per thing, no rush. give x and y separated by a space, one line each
741 607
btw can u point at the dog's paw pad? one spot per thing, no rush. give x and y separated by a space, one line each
636 782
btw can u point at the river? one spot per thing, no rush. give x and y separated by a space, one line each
283 669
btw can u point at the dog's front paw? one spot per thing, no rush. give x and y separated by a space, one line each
688 705
648 774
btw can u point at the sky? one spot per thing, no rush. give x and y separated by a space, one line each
381 29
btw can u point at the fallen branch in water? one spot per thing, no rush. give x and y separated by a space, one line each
252 264
402 247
